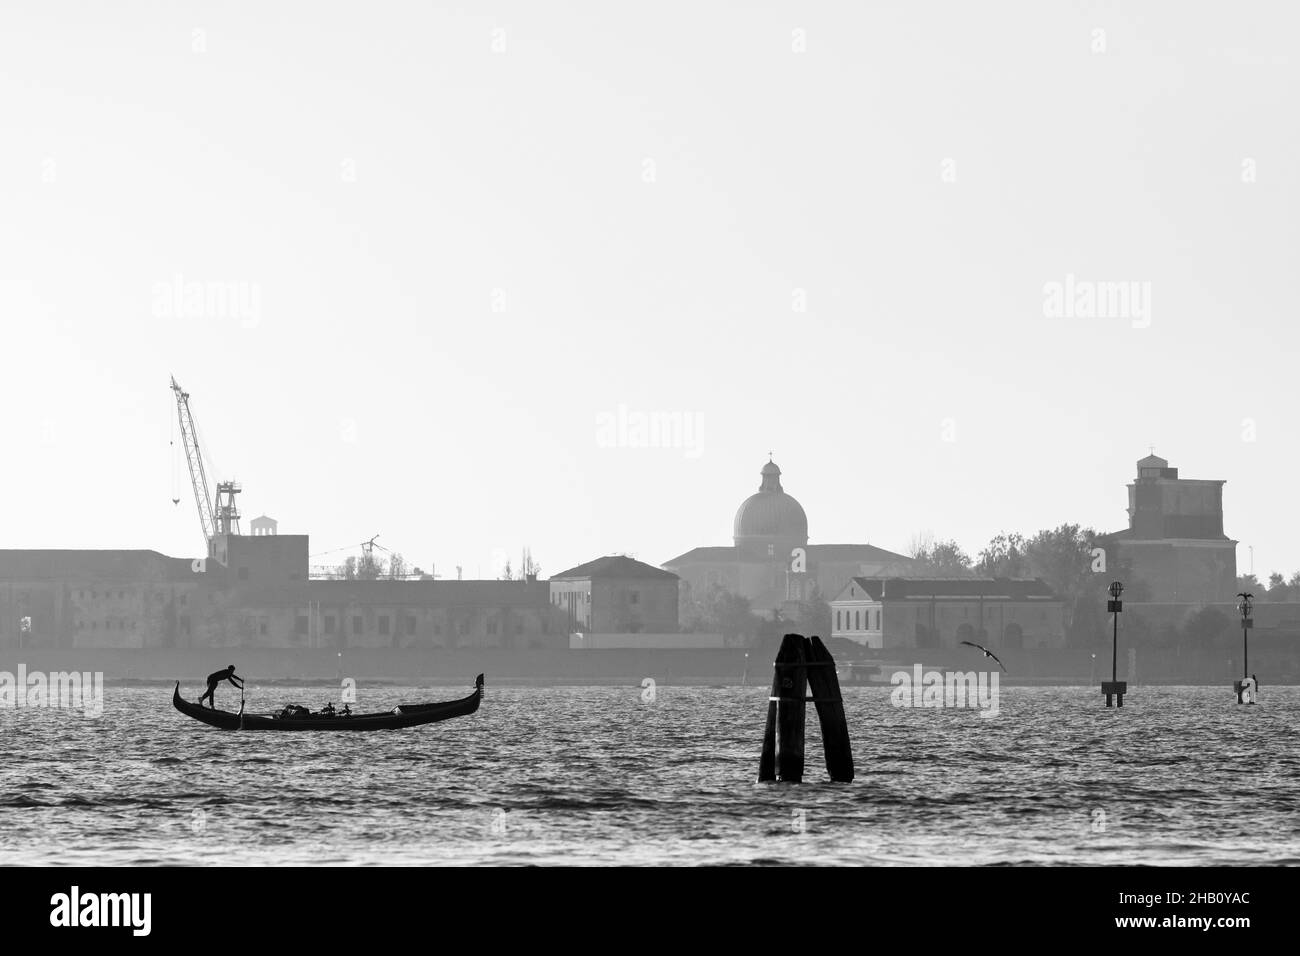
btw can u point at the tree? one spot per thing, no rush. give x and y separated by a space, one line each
397 567
365 568
1062 557
731 615
1004 557
815 614
717 611
529 570
1250 584
939 558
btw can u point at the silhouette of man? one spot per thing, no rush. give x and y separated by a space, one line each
217 678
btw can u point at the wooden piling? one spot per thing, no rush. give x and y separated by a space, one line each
782 756
825 687
802 665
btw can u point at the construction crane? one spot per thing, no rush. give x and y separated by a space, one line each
216 516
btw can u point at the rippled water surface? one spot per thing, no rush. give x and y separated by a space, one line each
594 775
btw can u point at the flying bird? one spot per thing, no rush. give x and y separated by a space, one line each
987 653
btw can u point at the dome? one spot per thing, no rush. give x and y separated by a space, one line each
771 513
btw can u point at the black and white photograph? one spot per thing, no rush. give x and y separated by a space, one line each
557 448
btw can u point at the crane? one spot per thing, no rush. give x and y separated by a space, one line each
216 516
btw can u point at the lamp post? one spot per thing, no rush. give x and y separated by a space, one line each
1115 688
1247 622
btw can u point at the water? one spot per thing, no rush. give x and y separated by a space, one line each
594 775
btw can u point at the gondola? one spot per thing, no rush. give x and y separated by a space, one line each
404 715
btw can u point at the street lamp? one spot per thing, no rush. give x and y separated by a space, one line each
1115 687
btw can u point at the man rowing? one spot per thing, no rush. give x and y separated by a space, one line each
217 678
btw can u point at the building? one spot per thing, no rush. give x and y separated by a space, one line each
263 525
1174 542
127 598
941 612
770 561
261 596
616 595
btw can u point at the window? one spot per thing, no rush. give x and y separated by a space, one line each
185 599
300 625
492 626
634 597
410 625
356 623
383 624
839 626
262 627
857 620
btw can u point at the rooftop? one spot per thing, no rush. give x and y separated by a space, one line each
614 566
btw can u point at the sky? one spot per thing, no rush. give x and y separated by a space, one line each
425 267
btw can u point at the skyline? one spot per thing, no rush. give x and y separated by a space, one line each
429 259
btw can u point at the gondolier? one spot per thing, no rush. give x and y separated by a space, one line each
217 678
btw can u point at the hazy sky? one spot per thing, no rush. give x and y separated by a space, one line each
458 235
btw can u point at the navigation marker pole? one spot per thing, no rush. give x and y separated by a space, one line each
1115 688
1247 624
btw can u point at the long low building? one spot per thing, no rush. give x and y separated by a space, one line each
641 641
261 596
942 612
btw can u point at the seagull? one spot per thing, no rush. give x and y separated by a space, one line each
987 653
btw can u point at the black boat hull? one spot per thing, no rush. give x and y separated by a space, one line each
413 715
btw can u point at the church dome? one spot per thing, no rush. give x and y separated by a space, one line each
771 513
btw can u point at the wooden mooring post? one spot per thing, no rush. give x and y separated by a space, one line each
801 665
